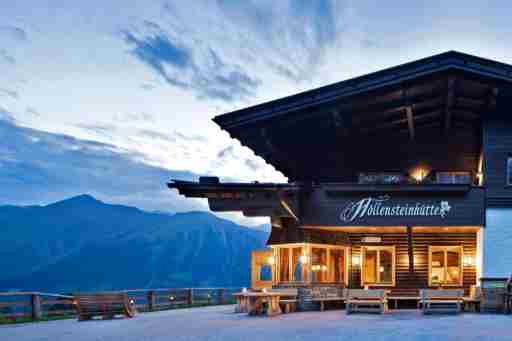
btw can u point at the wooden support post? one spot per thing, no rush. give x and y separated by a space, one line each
410 247
410 121
190 296
449 103
151 300
36 307
221 296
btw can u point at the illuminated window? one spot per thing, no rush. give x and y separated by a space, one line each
336 265
381 178
291 267
265 272
453 177
509 170
378 266
284 264
311 263
319 264
445 265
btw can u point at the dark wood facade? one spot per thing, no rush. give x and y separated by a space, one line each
405 277
497 142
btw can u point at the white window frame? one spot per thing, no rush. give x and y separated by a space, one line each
307 252
445 249
379 283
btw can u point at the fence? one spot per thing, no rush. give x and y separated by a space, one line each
37 305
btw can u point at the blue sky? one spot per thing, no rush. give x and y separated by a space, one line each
106 97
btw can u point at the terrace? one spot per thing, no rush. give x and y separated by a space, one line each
220 323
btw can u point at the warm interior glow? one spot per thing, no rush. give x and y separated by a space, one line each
419 173
469 261
271 260
304 259
355 260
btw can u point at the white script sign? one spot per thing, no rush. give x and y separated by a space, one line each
381 207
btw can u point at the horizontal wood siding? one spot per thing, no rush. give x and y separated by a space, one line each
404 279
497 147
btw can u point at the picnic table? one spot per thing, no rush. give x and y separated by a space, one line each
252 302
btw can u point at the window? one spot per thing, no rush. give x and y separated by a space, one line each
381 178
265 272
319 264
509 170
453 177
336 266
284 264
445 265
304 262
291 267
378 266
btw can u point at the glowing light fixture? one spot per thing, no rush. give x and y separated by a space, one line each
303 259
469 261
381 269
355 260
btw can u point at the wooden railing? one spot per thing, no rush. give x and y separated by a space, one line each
16 306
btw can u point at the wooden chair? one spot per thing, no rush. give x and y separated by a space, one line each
472 302
366 301
106 305
441 301
328 294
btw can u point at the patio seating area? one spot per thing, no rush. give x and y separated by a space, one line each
221 323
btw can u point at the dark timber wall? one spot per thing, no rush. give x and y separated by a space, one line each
404 278
497 147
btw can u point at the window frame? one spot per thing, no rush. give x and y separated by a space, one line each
378 248
307 273
454 173
445 249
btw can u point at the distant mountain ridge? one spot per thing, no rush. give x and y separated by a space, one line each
82 243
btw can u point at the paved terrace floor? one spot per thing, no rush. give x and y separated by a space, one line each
220 323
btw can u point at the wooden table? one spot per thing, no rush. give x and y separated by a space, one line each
241 302
253 302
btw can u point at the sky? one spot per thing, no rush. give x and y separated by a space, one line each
115 98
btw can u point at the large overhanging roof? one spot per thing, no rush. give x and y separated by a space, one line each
446 93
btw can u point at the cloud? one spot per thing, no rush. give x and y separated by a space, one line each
6 57
13 32
202 71
294 35
134 117
38 167
9 93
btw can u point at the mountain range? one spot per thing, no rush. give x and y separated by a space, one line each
83 244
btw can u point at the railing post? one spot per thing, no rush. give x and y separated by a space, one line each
151 300
36 307
221 296
190 297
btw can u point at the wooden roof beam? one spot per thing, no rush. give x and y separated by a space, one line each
450 102
340 123
409 114
410 121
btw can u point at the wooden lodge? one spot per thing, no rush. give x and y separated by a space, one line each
400 179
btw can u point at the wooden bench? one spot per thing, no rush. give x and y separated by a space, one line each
441 301
403 294
366 301
288 298
106 305
328 294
